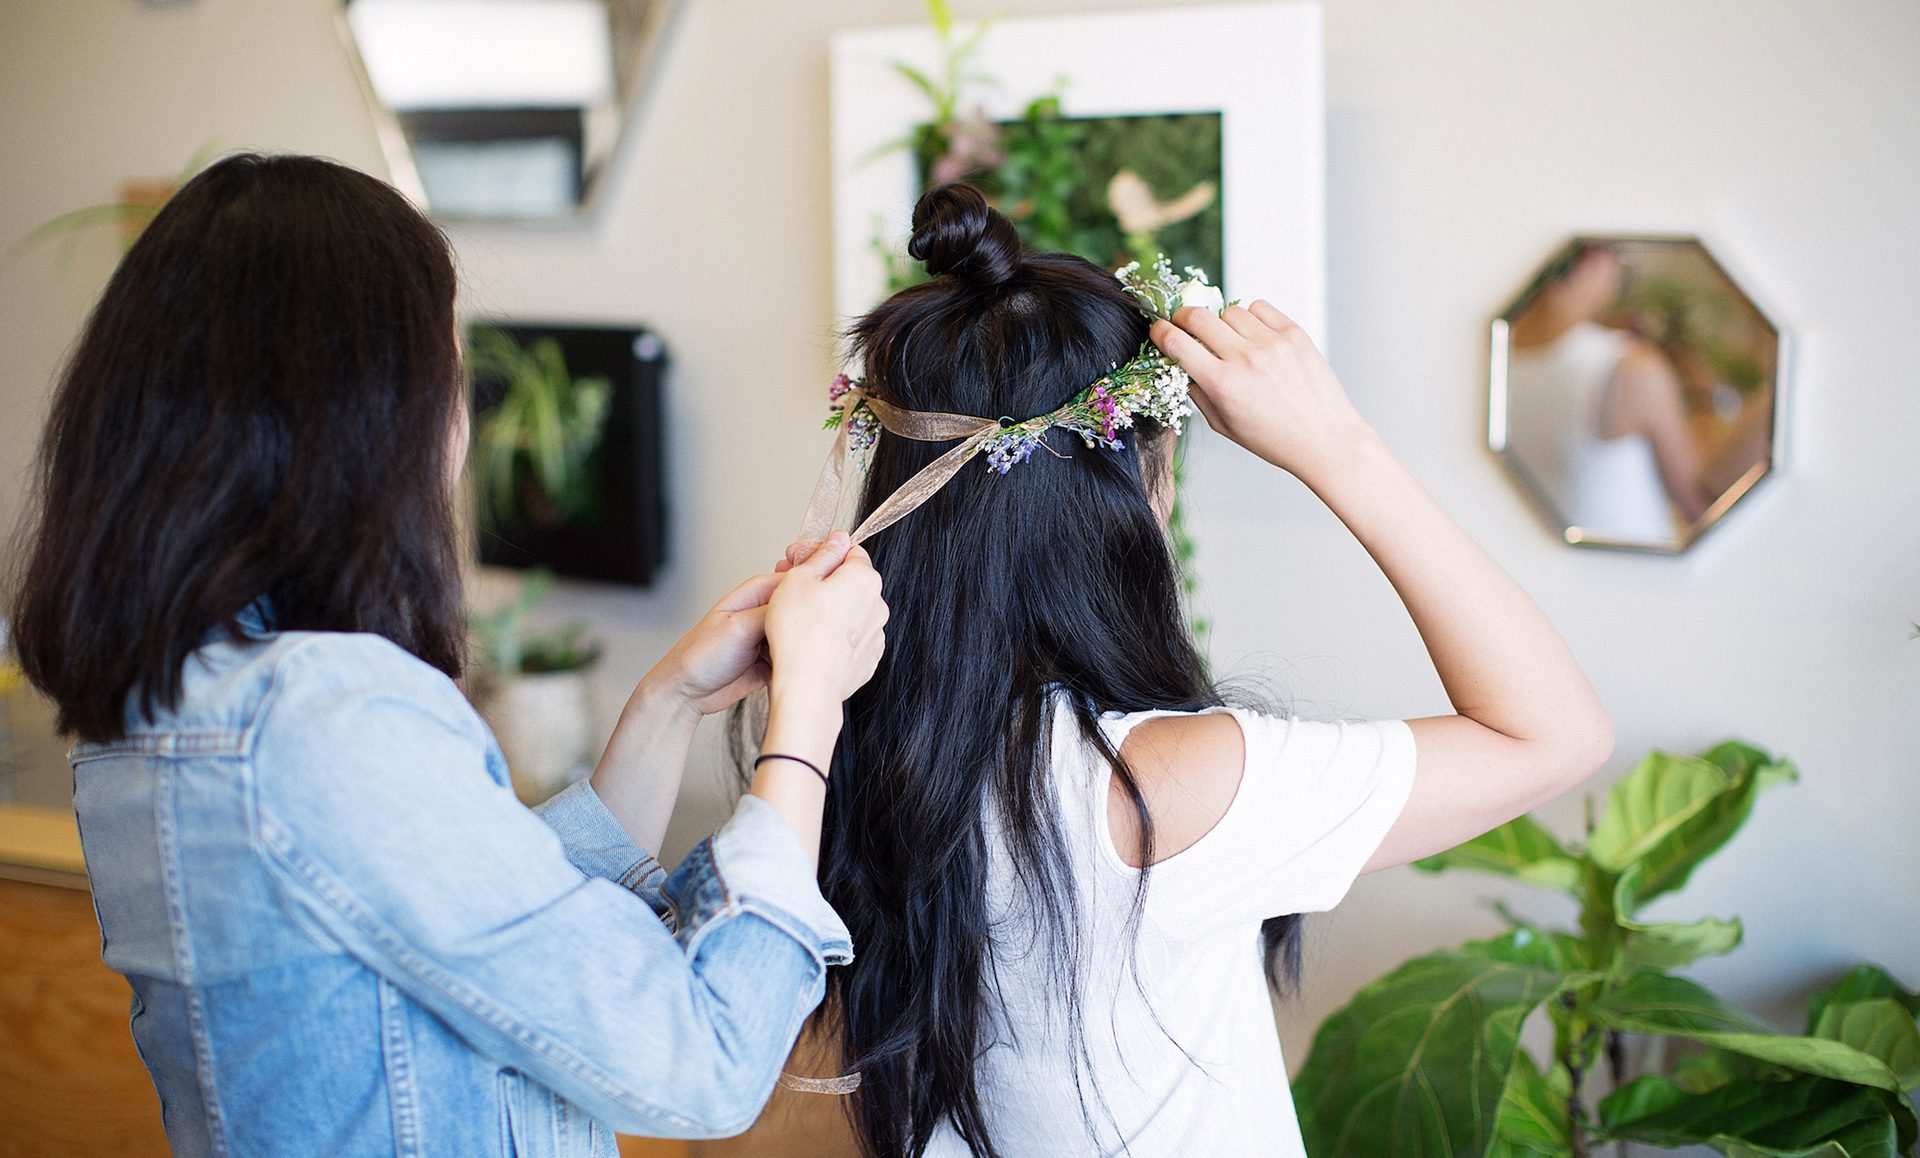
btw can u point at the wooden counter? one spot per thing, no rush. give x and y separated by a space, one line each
38 839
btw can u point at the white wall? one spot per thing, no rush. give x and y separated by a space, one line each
1467 138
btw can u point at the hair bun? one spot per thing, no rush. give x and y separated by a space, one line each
955 232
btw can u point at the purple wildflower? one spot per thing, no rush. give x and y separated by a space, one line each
1103 404
863 429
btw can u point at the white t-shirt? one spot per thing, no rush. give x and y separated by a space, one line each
1605 486
1183 1055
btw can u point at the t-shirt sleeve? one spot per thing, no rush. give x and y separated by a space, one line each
1315 801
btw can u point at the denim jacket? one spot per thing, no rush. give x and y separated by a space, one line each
345 935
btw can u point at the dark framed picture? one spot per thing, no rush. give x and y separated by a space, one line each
566 452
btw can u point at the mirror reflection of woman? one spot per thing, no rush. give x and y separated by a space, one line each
1596 415
343 933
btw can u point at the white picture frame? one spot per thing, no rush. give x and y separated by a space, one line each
1259 65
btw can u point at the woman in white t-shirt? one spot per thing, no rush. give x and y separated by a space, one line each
1070 869
1595 415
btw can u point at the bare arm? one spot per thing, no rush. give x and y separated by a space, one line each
822 625
1644 398
1529 726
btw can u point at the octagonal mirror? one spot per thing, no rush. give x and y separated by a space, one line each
503 109
1635 392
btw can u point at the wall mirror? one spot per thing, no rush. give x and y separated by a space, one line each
1635 392
503 109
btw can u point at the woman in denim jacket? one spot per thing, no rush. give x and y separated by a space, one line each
343 933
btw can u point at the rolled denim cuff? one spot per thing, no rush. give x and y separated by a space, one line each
755 863
599 847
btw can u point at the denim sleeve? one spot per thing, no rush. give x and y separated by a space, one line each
599 847
374 810
752 858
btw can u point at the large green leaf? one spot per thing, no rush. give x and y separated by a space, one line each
1521 849
1656 1003
1739 760
1862 983
1673 812
1881 1027
1551 948
1671 946
1710 1069
1650 804
1532 1121
1802 1117
1417 1064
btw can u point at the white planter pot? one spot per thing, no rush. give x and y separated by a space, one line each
545 727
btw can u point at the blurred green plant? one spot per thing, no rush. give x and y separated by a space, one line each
509 647
1427 1060
1685 319
531 449
130 215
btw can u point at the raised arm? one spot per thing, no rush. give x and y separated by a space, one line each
1643 398
827 625
1529 726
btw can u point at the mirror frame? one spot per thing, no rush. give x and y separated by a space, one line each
1716 513
405 174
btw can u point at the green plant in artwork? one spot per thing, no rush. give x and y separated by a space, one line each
1427 1060
531 449
1111 189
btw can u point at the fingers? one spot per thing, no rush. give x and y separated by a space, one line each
753 593
1272 318
1245 323
830 554
1216 335
747 683
1182 347
798 552
858 567
751 623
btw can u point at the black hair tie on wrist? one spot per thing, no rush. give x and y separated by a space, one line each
807 764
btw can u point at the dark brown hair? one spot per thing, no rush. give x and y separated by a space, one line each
260 408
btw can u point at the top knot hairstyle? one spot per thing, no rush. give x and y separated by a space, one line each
957 234
1014 597
262 405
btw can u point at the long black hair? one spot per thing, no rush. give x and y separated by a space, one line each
1050 588
262 406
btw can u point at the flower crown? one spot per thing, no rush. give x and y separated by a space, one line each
1149 384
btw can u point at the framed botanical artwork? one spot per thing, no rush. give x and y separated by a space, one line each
565 459
1198 132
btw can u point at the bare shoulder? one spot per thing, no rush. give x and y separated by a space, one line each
1643 385
1188 769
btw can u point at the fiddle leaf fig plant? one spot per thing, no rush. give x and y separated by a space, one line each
1427 1060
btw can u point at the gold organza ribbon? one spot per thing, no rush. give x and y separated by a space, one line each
818 1047
845 1084
918 425
824 507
